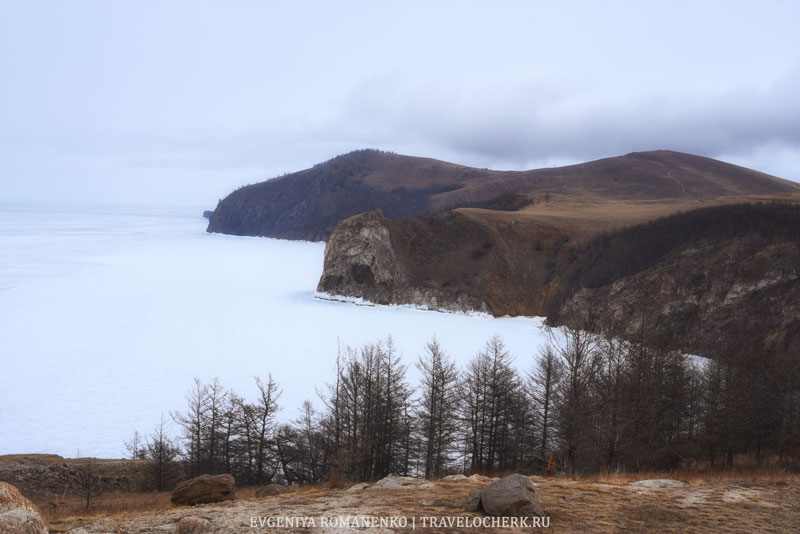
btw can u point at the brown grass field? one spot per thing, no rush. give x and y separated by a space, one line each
765 500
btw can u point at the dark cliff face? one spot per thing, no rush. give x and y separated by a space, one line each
308 204
738 292
694 280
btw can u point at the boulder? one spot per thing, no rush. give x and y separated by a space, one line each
512 496
473 501
478 478
393 482
18 515
455 478
193 525
204 489
273 489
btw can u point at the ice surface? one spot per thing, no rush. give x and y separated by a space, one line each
106 318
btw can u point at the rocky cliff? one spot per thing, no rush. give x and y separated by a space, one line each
696 243
697 278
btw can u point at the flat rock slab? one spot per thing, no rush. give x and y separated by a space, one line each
392 482
658 483
204 489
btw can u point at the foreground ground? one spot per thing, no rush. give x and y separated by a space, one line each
757 504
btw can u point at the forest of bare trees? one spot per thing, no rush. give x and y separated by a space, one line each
585 402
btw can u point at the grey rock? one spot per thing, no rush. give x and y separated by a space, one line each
473 501
512 496
393 482
204 489
18 515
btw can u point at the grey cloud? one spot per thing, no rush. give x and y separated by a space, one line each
531 122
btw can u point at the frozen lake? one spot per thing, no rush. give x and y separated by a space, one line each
106 318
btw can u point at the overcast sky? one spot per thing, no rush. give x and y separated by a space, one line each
180 102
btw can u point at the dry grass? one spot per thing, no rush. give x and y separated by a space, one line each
63 514
766 500
744 474
108 505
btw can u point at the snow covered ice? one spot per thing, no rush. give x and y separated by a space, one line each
107 318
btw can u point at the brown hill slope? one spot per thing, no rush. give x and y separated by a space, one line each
308 204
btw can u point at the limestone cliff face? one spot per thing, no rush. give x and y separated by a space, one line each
366 257
360 260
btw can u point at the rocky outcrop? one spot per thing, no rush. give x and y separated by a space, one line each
707 298
18 515
387 262
395 482
455 478
204 489
49 475
693 279
512 496
360 260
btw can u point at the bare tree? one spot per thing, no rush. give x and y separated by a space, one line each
580 361
193 423
161 452
544 381
438 407
135 447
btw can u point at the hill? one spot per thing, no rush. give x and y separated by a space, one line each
705 249
309 203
